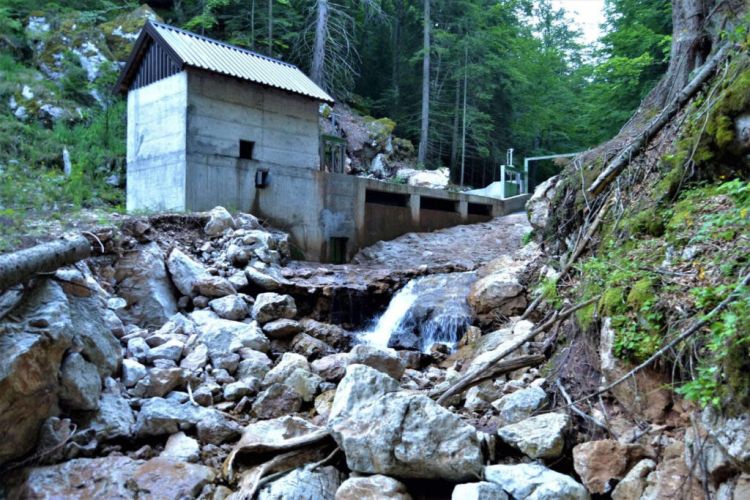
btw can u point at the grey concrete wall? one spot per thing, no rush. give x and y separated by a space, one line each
157 121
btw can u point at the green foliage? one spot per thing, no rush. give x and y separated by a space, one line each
724 375
547 289
527 238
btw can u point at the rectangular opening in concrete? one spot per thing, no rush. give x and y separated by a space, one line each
246 149
337 250
440 204
384 198
480 209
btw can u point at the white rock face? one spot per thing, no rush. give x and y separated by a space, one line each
230 307
80 383
185 272
535 482
304 483
634 483
433 179
385 431
542 436
538 205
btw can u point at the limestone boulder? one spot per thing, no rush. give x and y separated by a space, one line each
276 401
288 363
267 281
634 483
254 364
182 448
163 477
384 360
542 436
433 179
536 482
80 383
478 491
184 271
333 335
538 206
272 306
132 372
214 287
105 477
305 482
672 478
377 487
159 417
222 336
142 280
113 420
231 307
333 367
282 329
601 464
520 405
384 431
310 347
219 220
158 382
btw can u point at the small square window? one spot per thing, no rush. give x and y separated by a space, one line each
246 149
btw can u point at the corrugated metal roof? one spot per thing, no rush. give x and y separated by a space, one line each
211 55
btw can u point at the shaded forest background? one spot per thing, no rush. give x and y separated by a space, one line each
528 82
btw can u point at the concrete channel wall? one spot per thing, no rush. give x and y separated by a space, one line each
183 155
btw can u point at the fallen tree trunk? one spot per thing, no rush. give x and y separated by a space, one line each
623 159
469 379
17 267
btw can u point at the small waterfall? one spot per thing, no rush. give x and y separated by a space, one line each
426 311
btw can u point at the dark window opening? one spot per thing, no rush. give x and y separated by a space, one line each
390 199
480 209
440 204
246 149
337 251
261 178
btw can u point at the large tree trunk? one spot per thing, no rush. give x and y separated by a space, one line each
19 266
423 136
317 69
270 28
456 122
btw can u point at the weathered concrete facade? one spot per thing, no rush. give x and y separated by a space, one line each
205 120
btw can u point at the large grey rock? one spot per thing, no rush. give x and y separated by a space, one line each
538 206
160 416
219 221
542 436
377 487
214 287
80 383
333 367
171 350
272 306
170 479
535 482
304 383
196 359
282 328
304 483
132 372
310 347
478 491
265 281
222 336
521 404
730 439
276 401
182 448
634 483
231 307
185 271
142 280
601 464
288 363
501 285
384 360
384 431
332 335
105 477
158 382
51 319
114 419
254 364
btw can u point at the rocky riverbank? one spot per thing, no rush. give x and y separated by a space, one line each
192 359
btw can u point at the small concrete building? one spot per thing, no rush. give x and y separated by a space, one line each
212 124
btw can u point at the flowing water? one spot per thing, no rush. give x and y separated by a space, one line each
428 310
